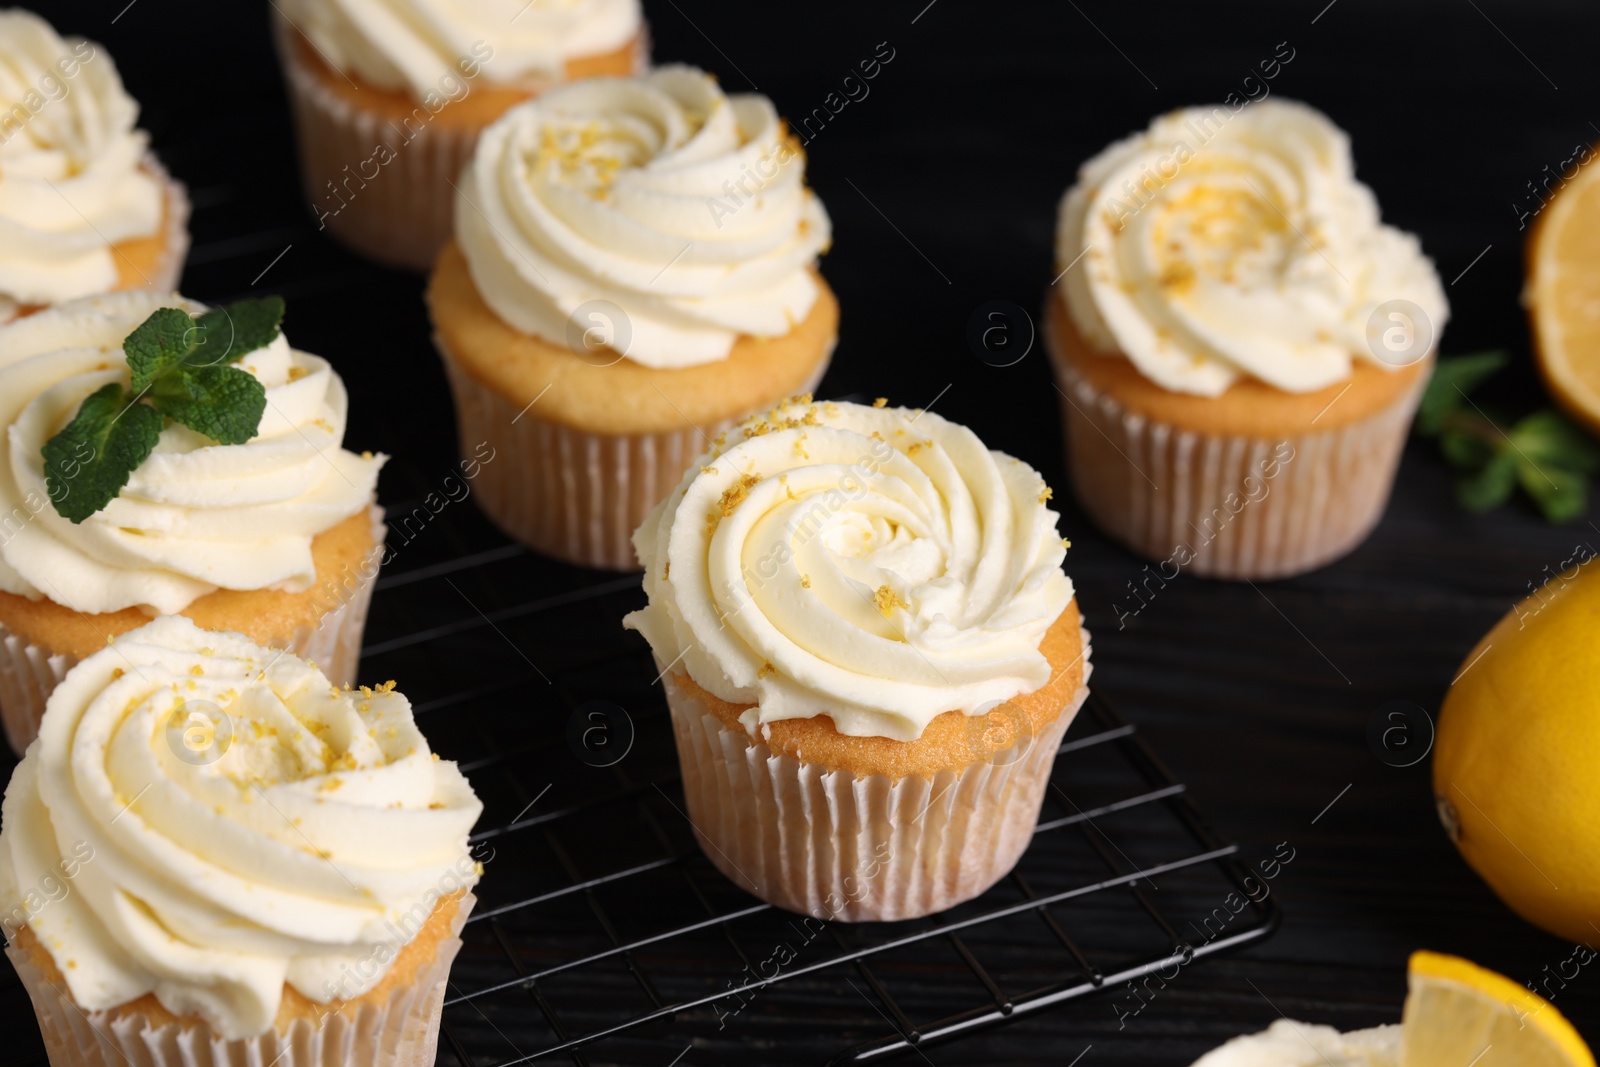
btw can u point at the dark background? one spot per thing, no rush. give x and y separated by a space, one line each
943 185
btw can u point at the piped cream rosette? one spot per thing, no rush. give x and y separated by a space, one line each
251 827
682 205
1217 245
879 566
75 174
415 45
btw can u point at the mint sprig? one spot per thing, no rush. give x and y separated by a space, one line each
1543 452
89 461
178 365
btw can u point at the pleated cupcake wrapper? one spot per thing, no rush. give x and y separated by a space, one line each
1171 494
858 848
404 214
29 672
567 493
403 1032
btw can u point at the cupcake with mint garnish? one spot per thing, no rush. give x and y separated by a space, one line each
870 653
158 457
213 855
85 206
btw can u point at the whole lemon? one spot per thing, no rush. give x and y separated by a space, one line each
1516 766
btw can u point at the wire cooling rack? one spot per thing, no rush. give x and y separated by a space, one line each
603 935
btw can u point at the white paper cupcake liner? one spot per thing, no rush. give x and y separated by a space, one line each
859 848
29 672
403 1032
404 215
1202 503
574 495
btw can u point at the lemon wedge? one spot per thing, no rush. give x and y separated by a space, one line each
1458 1014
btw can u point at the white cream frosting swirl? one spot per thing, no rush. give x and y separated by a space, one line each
196 516
71 184
418 45
1223 242
1292 1044
880 566
685 207
239 824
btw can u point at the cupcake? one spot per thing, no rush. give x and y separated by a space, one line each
1239 343
870 654
634 269
389 97
85 208
213 855
207 482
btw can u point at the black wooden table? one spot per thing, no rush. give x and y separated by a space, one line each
942 184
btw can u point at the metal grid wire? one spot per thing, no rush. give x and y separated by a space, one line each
602 933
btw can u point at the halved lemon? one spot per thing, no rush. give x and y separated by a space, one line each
1563 295
1460 1015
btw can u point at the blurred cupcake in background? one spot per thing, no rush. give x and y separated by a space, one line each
634 269
212 855
122 496
85 207
1239 342
389 97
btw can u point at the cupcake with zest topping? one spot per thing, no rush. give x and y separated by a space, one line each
85 207
870 652
389 97
161 458
1239 342
634 269
214 855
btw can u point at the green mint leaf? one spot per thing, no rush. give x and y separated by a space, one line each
1560 493
227 334
177 366
1452 380
158 345
1549 438
1489 487
1465 449
224 403
89 461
